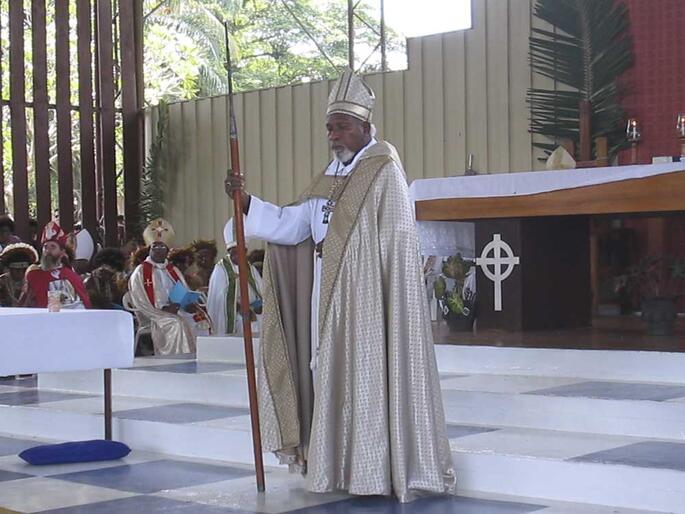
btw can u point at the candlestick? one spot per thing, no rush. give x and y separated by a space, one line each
633 136
680 125
632 131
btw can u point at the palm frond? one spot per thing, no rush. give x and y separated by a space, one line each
154 171
587 50
211 82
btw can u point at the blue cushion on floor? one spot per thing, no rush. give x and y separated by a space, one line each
79 451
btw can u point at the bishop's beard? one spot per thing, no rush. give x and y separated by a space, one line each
48 261
344 154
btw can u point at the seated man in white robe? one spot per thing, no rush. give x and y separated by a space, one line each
223 299
174 329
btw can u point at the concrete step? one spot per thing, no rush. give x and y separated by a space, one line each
224 348
219 383
183 429
569 404
637 409
633 366
284 490
596 428
618 471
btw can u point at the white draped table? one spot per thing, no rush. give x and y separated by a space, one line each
37 341
532 182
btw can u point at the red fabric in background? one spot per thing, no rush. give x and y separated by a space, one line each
655 94
655 85
39 280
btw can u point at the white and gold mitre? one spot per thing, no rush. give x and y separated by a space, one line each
350 95
159 230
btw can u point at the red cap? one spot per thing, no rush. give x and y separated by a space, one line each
53 232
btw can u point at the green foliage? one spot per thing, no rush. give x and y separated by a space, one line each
456 268
587 51
439 287
655 277
184 53
169 75
269 47
455 303
154 171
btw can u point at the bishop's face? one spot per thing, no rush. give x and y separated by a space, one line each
17 273
183 263
233 254
347 135
52 254
159 252
204 258
5 234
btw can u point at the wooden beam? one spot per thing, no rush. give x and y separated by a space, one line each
140 78
131 120
108 403
41 138
86 132
99 204
660 193
106 98
139 35
585 130
20 188
65 182
602 151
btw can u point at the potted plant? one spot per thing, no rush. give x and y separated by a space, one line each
659 283
456 293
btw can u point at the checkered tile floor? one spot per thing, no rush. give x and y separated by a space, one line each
150 483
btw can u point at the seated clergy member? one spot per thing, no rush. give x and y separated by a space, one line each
183 259
106 284
223 299
83 245
205 257
53 275
174 329
7 236
16 258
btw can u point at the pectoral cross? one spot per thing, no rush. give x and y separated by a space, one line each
327 211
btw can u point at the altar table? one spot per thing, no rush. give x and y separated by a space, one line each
544 219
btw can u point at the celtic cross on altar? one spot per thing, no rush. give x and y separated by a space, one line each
497 261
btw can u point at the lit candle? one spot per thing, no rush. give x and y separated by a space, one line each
632 131
680 125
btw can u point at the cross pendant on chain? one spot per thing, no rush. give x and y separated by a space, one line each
327 211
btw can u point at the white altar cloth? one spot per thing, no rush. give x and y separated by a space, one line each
531 182
37 341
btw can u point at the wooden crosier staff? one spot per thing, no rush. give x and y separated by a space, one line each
243 270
